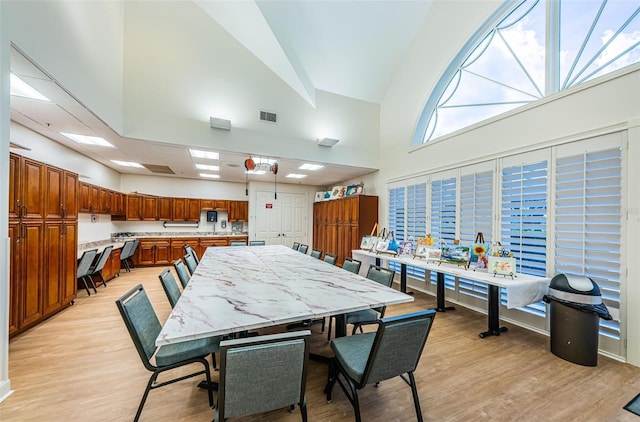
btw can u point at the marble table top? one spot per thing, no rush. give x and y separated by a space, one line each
244 288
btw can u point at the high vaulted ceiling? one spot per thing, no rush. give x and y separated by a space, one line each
350 48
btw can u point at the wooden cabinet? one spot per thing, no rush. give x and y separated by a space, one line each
61 194
26 188
340 224
59 283
238 211
153 252
214 204
105 200
165 208
206 242
117 204
90 199
186 209
141 207
43 203
177 246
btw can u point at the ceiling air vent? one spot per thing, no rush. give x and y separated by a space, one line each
154 168
266 116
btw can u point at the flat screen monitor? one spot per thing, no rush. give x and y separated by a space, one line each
212 216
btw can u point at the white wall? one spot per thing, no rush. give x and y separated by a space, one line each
79 43
50 152
182 67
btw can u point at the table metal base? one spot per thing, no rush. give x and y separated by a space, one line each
493 317
440 306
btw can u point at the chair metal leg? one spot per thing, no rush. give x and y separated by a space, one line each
329 329
86 287
152 379
303 411
416 400
93 285
104 282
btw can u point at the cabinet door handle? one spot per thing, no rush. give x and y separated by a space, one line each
24 228
26 211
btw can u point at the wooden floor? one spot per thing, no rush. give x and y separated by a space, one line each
81 365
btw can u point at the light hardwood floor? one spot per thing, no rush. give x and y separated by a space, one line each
81 365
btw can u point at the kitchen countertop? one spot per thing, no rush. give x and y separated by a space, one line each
118 241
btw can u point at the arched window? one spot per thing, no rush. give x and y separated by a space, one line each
526 50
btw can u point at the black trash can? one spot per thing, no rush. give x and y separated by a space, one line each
575 311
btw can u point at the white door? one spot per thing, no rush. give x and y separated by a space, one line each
281 221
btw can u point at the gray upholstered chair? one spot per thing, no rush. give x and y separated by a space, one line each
96 268
295 246
380 275
189 250
125 254
257 243
316 253
352 265
143 326
260 374
170 286
181 270
238 243
330 258
303 249
136 242
393 350
190 263
84 269
377 274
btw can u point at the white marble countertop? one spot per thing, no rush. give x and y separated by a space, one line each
245 288
522 290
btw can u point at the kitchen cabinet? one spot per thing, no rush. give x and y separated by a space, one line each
238 211
165 208
61 194
177 246
59 282
43 203
105 200
206 242
153 252
340 224
141 207
111 268
117 204
214 204
186 209
84 197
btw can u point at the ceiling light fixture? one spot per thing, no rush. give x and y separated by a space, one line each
210 175
127 164
218 123
327 142
207 167
296 176
20 88
88 140
312 167
211 155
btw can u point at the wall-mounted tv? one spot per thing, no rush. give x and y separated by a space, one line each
212 216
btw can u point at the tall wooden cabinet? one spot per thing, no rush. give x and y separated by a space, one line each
43 225
339 224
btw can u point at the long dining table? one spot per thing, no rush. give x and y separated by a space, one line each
240 288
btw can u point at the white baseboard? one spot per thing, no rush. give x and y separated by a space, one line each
5 389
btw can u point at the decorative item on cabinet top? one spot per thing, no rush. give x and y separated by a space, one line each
340 192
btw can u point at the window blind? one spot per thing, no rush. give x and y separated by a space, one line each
397 217
588 223
476 202
524 220
443 218
416 220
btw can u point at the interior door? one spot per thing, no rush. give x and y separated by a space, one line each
281 221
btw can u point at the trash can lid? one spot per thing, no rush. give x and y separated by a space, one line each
575 288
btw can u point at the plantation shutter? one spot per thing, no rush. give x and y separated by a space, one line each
397 217
588 224
476 207
443 218
416 220
524 219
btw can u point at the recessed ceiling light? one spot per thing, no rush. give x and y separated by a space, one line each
196 153
207 167
313 167
20 88
296 176
88 140
210 175
127 164
259 172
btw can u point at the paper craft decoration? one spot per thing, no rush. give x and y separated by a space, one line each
405 248
368 242
499 265
479 251
456 254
